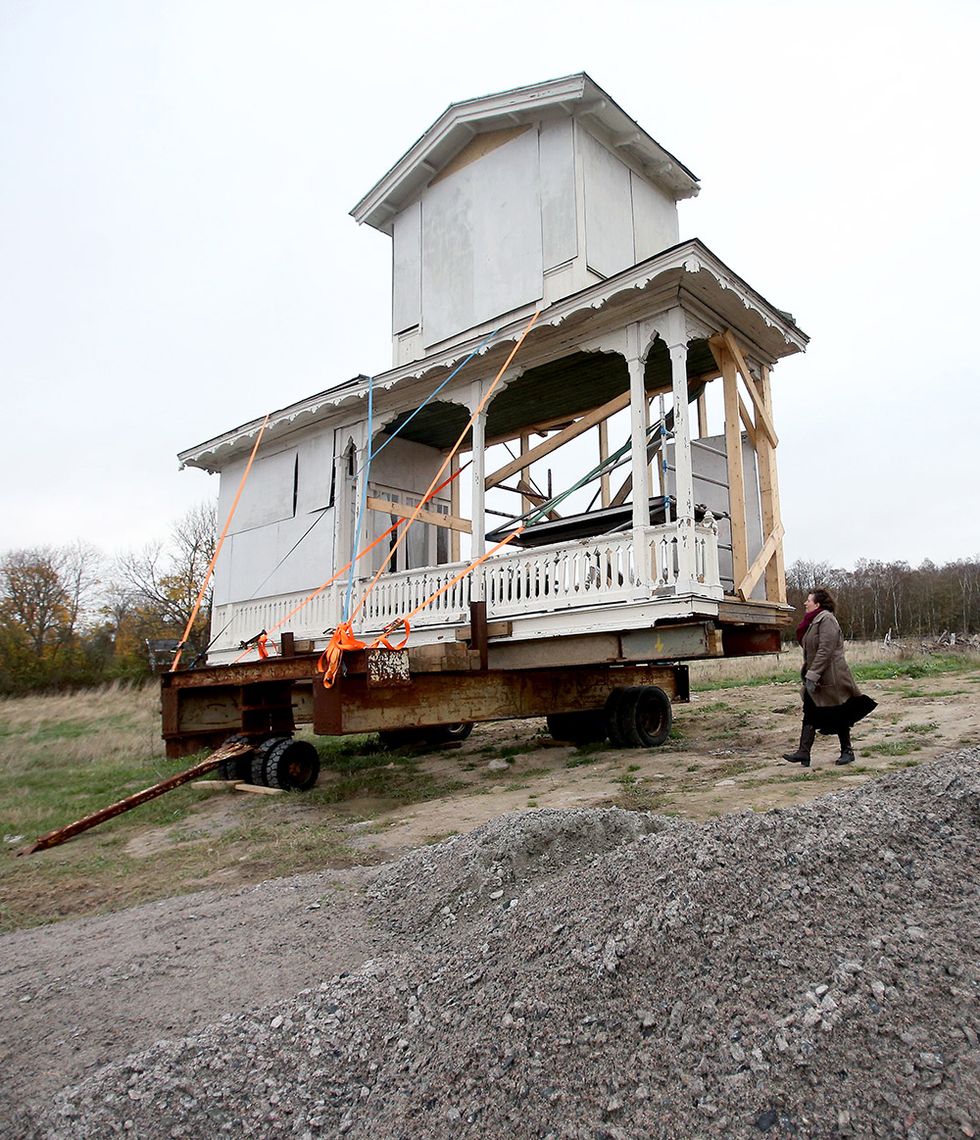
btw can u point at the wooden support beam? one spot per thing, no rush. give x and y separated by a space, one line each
762 560
747 423
525 473
764 420
464 526
623 493
573 431
535 498
769 494
604 486
733 449
702 417
454 508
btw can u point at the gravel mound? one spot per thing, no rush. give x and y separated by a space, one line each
808 972
471 873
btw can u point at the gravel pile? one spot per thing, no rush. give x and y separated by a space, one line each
808 972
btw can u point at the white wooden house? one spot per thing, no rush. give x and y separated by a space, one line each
546 198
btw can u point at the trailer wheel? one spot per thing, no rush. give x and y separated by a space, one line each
644 716
259 757
614 703
433 734
292 765
237 767
585 727
444 733
399 737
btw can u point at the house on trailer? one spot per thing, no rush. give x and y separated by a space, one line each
644 531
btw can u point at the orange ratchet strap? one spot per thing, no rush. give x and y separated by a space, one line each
329 664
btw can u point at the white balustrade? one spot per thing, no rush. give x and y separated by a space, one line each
566 576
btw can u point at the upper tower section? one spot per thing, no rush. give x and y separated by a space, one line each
513 199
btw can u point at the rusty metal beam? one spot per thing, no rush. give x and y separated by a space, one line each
505 694
61 834
303 665
745 640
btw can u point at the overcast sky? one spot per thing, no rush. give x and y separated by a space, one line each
176 255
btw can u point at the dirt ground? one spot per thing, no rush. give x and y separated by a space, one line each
77 993
724 755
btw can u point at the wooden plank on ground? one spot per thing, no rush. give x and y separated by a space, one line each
257 790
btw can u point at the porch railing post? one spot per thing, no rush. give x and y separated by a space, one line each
683 468
478 475
640 465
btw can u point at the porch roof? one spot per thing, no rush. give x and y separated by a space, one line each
688 274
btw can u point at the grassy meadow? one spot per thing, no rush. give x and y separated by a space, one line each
63 756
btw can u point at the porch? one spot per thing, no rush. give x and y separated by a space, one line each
611 575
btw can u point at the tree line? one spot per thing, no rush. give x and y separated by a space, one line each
70 617
911 602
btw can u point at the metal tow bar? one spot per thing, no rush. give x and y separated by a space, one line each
59 835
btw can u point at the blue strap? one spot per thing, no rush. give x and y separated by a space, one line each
366 469
432 395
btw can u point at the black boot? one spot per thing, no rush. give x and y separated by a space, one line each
846 751
802 754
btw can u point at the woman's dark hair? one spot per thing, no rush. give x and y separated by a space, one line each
824 599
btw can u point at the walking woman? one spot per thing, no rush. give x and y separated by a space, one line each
832 702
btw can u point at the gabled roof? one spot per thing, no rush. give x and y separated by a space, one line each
575 95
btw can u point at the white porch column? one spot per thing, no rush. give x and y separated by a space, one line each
478 473
684 472
638 454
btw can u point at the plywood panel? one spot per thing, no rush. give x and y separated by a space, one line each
249 562
481 240
406 271
655 224
557 156
268 493
608 209
315 474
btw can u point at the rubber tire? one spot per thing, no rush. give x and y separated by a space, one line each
611 713
237 767
292 765
644 716
585 727
446 733
257 772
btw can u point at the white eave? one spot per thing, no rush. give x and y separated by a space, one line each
574 95
689 270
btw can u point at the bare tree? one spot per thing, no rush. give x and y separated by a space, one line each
163 580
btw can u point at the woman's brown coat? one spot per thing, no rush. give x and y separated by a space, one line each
823 662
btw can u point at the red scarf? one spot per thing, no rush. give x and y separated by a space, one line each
804 624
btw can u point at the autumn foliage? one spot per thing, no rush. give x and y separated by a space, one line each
70 617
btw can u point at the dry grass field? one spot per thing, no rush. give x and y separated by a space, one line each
64 756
